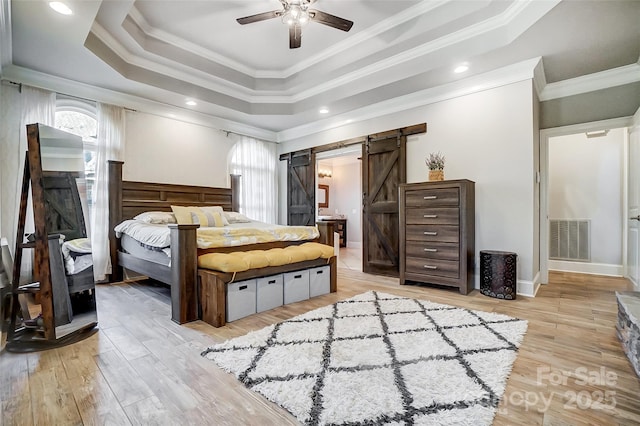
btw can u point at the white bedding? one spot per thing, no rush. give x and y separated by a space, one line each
234 234
77 255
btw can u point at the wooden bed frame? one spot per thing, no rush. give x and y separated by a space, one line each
128 199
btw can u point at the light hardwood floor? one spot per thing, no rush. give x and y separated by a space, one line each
140 368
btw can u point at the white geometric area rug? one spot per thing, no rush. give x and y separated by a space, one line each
380 359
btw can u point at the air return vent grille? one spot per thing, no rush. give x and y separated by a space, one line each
570 240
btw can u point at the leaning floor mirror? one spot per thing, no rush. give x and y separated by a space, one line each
60 302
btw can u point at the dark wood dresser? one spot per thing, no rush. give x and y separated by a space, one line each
437 233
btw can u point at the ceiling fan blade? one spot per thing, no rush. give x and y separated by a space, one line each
295 36
259 17
330 20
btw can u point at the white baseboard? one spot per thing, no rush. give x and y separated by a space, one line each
354 244
525 288
528 288
586 268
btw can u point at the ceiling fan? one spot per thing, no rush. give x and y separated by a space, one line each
296 13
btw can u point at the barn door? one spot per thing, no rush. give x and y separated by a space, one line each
383 169
301 182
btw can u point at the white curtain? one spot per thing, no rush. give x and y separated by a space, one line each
256 162
110 147
20 105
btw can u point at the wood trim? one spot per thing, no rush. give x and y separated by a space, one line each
184 273
115 215
326 196
41 268
404 131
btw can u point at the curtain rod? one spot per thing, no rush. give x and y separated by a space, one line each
231 132
14 83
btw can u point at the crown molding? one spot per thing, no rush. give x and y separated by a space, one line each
180 43
413 12
6 54
98 94
572 129
500 77
497 28
539 78
592 82
202 79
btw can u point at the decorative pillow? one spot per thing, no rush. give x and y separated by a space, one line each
210 219
156 217
235 217
195 215
216 209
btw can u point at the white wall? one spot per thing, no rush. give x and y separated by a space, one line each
163 150
486 137
585 182
346 190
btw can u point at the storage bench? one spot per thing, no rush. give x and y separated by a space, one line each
222 298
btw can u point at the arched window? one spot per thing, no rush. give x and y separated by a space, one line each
79 118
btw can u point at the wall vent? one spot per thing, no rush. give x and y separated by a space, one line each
570 240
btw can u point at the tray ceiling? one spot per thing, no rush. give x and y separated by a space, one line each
171 51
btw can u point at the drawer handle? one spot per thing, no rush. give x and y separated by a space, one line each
319 272
430 197
430 267
430 233
431 250
430 216
297 276
242 287
272 281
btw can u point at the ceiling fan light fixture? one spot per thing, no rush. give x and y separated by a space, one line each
295 14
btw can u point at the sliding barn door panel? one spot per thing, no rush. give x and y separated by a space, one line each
383 169
301 196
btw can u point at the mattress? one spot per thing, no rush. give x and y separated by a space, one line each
141 251
236 234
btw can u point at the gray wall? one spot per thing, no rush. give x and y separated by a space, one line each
614 102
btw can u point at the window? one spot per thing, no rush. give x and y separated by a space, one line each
256 162
79 118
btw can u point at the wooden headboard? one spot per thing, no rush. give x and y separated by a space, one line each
128 198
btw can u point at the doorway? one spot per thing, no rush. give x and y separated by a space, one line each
339 199
583 206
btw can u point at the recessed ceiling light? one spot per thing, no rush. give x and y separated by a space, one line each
191 103
461 68
60 7
324 110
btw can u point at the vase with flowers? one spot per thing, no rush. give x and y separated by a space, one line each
435 163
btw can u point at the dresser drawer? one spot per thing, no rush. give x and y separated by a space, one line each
433 216
432 197
442 233
433 250
433 267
